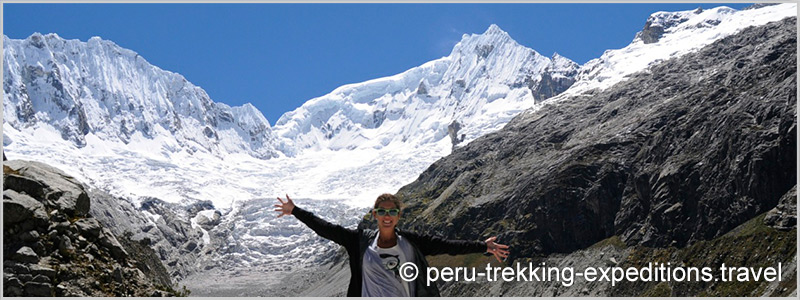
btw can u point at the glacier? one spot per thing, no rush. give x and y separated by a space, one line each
138 131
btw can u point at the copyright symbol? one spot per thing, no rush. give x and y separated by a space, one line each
409 271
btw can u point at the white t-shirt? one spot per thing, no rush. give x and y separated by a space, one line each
380 275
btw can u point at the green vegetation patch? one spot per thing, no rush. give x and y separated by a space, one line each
751 245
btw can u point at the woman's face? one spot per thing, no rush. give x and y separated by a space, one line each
387 220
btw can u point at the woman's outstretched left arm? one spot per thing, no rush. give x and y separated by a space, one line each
433 245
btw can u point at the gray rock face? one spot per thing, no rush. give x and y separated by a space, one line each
452 131
784 215
558 76
52 246
108 240
651 33
168 234
681 153
19 207
172 232
659 22
90 228
550 86
43 181
209 223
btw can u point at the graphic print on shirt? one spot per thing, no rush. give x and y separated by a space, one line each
391 262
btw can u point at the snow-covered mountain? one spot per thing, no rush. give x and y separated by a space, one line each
107 116
486 80
130 124
669 35
98 88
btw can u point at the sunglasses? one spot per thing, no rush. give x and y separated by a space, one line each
382 212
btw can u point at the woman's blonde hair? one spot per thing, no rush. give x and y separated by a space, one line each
389 197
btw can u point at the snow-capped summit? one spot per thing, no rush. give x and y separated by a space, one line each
485 81
666 22
562 64
668 35
495 30
99 88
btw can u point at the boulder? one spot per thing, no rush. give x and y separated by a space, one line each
10 266
31 187
65 246
208 221
48 183
190 245
108 240
89 228
26 254
42 270
12 291
41 278
20 207
30 236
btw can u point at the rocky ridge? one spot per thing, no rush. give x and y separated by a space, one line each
681 153
53 246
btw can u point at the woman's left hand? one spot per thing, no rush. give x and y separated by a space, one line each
500 251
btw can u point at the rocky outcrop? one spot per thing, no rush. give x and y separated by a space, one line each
681 153
651 33
452 131
558 76
175 241
52 246
784 215
658 23
550 86
163 227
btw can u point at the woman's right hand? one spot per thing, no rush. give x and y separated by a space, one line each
285 207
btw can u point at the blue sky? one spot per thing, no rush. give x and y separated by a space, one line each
278 56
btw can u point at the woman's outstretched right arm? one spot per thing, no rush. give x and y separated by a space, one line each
333 232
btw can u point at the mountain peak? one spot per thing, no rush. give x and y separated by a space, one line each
483 44
35 35
142 103
494 30
249 113
36 39
563 64
493 33
38 36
